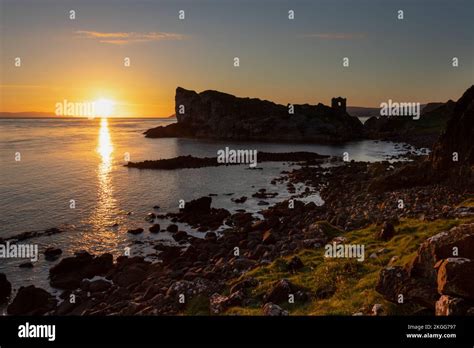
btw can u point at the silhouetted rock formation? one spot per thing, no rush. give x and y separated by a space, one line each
452 159
197 162
457 138
212 114
422 132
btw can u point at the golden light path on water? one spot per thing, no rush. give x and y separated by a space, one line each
103 218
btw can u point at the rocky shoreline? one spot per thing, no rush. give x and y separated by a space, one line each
200 271
416 220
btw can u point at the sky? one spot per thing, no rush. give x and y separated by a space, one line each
282 60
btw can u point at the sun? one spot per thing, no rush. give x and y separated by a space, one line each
104 107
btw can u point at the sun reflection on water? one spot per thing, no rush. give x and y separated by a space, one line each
103 217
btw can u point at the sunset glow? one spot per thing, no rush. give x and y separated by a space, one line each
104 107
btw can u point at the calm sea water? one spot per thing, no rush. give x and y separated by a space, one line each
82 160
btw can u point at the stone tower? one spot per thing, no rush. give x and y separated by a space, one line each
339 104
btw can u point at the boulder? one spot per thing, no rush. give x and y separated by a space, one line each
281 290
172 228
155 228
273 310
69 272
456 277
198 206
447 306
52 254
31 300
135 231
395 281
441 246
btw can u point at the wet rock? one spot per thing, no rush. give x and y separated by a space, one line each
198 206
135 231
31 300
69 272
150 217
180 235
52 254
273 310
210 237
5 288
239 200
27 264
99 285
172 228
155 228
456 277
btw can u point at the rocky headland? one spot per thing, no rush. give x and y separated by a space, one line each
217 115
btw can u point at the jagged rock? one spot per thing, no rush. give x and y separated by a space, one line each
447 305
457 138
273 310
212 114
69 272
394 282
456 277
5 288
219 303
198 206
31 300
440 246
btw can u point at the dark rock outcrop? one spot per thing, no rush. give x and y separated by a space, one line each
457 138
213 114
434 271
68 273
5 288
200 162
422 132
31 300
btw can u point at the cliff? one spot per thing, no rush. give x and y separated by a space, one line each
213 114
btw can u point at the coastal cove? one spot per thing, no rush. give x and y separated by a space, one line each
109 198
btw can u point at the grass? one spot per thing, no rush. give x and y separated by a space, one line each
345 286
468 202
